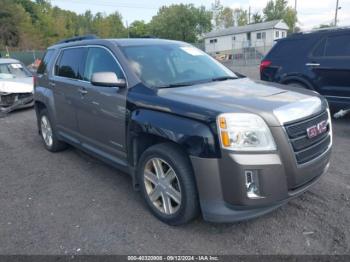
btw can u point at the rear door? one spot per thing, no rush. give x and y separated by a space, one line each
66 85
330 63
102 110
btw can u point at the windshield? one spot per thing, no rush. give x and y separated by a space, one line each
15 70
174 65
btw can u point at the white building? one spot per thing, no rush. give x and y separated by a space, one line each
232 40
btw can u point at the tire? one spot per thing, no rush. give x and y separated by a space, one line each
174 185
48 134
298 84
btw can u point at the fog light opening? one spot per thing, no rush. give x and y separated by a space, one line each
252 184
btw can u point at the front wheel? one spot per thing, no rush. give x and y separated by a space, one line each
167 184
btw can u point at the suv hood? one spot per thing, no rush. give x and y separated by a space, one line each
277 104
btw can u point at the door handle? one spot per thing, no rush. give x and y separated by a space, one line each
52 84
82 91
312 64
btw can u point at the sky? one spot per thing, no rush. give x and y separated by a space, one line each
311 13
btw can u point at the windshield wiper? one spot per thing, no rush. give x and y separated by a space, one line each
223 78
177 85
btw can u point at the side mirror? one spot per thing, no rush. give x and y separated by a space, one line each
108 79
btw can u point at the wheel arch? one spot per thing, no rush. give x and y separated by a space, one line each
43 98
297 79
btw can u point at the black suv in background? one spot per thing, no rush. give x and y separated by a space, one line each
192 135
318 60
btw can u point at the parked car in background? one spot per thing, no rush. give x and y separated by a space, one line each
192 135
318 60
16 85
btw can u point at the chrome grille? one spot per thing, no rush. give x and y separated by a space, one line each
305 148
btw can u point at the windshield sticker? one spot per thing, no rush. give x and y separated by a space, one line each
16 66
191 50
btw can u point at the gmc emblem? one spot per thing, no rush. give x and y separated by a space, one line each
317 129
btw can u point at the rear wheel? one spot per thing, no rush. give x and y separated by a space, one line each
298 84
48 134
167 184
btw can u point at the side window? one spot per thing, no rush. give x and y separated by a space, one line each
45 61
338 45
100 60
69 63
319 50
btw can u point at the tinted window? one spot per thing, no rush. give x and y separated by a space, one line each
338 46
319 50
45 61
70 62
285 48
100 60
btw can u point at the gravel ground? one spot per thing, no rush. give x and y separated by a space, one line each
70 203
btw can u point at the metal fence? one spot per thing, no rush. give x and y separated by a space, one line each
248 52
26 57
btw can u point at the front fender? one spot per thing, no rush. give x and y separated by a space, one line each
197 138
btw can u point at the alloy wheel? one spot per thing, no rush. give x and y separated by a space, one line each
46 131
162 186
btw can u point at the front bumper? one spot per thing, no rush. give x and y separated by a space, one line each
10 102
222 189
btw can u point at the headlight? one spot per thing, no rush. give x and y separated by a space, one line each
244 132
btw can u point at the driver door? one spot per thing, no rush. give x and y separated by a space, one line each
102 111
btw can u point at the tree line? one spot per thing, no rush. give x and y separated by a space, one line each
26 24
224 17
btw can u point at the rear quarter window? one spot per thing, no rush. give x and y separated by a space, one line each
44 62
291 48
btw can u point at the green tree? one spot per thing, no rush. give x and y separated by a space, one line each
240 16
108 26
217 9
9 35
257 18
227 19
279 9
181 22
16 27
139 29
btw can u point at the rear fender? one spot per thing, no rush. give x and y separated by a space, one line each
45 97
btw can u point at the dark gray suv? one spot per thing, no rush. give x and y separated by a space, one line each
193 136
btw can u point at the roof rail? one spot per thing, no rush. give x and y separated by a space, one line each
332 28
77 38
